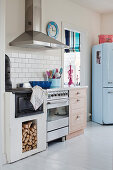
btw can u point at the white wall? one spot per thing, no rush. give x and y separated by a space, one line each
107 24
82 20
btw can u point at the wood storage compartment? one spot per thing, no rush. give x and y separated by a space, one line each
29 135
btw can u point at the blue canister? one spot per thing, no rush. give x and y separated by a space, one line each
55 83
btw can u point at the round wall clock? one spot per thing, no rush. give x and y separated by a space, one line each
52 29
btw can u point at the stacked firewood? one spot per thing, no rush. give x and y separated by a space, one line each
29 136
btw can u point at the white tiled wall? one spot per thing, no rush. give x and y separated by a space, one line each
30 66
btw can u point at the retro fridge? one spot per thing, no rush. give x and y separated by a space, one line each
102 83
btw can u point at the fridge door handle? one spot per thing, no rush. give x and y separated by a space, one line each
110 82
110 92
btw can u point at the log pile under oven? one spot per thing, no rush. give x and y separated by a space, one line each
29 136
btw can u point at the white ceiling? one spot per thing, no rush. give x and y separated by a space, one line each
101 6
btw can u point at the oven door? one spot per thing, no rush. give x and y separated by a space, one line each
58 119
23 106
58 112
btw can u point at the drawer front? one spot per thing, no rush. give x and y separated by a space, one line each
77 93
58 124
77 122
57 134
77 103
74 112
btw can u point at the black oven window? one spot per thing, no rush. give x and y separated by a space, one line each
23 106
58 113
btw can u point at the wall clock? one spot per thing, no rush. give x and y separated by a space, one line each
52 29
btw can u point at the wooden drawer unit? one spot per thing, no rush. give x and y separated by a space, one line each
77 93
77 110
77 122
78 103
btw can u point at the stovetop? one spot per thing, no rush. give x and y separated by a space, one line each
58 94
20 90
51 92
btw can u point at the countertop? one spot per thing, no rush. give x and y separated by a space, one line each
29 90
66 88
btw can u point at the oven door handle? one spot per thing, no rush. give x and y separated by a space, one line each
55 104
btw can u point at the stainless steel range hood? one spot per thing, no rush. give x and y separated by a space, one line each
32 37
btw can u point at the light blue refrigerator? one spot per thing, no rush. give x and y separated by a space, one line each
102 83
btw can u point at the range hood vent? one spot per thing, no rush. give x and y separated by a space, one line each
32 37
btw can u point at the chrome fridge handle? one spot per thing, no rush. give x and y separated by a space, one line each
110 92
110 82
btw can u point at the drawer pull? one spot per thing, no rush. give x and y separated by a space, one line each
78 100
78 93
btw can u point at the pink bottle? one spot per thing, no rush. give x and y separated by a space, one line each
70 77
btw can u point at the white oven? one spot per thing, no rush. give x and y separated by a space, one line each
57 114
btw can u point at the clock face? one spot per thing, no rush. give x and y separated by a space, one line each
52 29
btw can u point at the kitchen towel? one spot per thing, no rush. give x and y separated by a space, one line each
37 97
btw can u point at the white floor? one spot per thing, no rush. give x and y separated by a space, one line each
91 151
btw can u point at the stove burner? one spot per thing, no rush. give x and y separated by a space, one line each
57 94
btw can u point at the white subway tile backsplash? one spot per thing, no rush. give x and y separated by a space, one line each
22 75
24 70
14 55
40 66
45 66
58 59
24 60
9 53
21 65
52 58
17 60
42 61
14 75
57 62
17 70
32 70
14 65
51 62
21 55
37 57
24 80
40 74
28 56
12 60
32 61
12 70
29 66
34 65
34 75
28 75
46 57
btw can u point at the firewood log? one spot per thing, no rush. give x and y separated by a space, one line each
29 136
25 126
